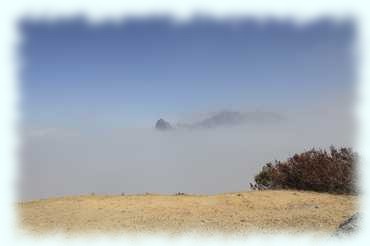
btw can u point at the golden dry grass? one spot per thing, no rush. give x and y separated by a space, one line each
232 212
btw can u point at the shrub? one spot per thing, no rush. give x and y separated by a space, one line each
180 194
316 170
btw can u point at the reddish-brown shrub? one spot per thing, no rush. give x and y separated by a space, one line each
317 170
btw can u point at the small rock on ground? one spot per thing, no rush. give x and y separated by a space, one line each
348 226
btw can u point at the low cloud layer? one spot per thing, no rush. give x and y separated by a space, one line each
219 159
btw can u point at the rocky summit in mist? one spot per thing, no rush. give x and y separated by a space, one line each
225 118
162 125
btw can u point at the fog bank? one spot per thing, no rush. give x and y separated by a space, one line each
57 162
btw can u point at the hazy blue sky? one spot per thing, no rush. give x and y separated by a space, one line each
122 77
132 73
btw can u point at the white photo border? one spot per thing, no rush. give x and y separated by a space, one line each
98 11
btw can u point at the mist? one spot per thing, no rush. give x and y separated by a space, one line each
60 162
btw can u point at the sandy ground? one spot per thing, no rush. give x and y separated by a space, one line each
232 212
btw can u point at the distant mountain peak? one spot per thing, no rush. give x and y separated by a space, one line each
162 125
224 118
227 118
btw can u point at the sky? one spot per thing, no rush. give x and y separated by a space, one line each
134 72
92 94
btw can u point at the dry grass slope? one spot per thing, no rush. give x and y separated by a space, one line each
232 212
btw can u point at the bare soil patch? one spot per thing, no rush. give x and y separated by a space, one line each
231 212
